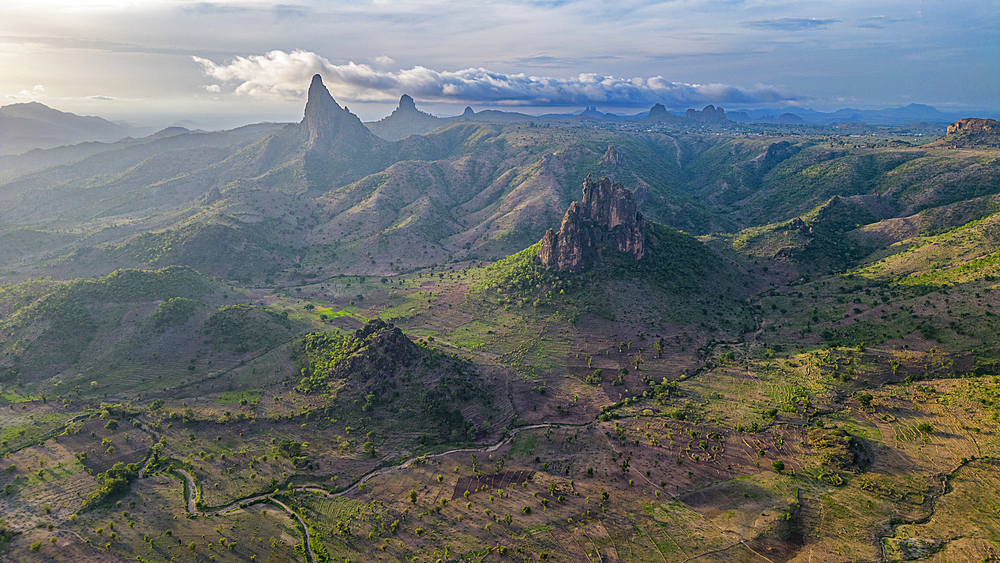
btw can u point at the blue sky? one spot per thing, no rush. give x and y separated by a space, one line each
238 61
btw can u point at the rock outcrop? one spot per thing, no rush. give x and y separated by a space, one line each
404 121
971 132
371 359
615 155
974 125
330 128
339 148
606 214
659 113
710 114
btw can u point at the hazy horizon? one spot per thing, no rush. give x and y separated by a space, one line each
241 61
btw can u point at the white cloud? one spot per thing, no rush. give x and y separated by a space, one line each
39 88
278 74
384 60
212 88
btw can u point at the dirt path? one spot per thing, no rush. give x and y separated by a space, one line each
488 449
192 486
305 528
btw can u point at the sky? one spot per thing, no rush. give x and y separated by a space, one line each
227 63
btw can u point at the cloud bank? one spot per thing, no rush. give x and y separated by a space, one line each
278 74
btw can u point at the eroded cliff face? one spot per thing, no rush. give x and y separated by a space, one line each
973 125
972 132
607 213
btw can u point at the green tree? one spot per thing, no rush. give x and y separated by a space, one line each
865 400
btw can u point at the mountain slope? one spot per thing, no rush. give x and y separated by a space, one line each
33 125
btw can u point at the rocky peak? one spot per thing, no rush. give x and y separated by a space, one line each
379 346
406 104
468 113
326 125
974 125
404 121
607 213
571 249
972 132
615 155
407 108
710 114
658 111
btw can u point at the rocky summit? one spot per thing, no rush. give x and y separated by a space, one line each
972 132
330 128
974 124
710 114
404 121
607 213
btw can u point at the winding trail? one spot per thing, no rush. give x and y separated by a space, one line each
191 503
488 449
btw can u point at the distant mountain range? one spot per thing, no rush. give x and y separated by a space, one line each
28 126
406 119
36 126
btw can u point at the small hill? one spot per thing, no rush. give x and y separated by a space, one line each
55 322
817 241
407 386
608 261
972 132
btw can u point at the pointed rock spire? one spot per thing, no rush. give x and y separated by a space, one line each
325 123
607 213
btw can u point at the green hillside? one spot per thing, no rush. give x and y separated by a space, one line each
279 345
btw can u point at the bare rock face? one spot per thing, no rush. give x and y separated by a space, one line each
710 114
329 127
406 104
972 132
607 213
572 248
659 113
974 125
615 155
